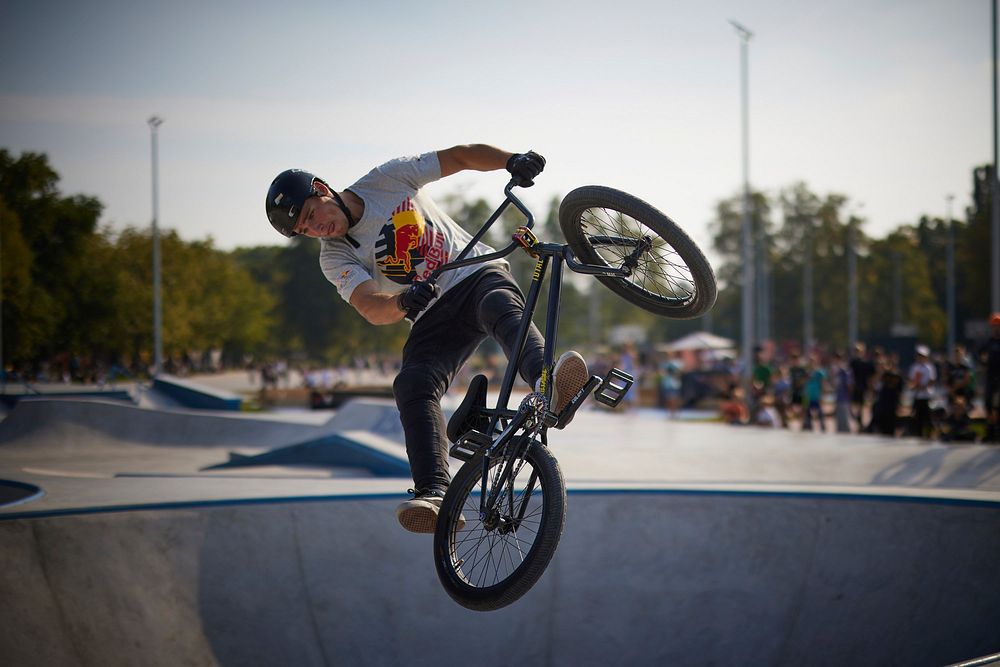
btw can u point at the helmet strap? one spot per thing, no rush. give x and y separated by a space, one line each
343 207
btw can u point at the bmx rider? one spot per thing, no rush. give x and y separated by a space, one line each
380 239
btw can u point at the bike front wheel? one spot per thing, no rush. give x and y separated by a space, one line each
668 274
488 557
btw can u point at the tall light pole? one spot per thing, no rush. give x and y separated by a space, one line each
807 290
852 280
897 291
748 272
154 124
762 272
950 297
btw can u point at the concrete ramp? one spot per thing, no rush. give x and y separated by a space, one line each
641 577
370 415
63 424
363 451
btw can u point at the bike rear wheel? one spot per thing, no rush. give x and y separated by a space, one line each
669 274
499 554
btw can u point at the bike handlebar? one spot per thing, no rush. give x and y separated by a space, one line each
461 260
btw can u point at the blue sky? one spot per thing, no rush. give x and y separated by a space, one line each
887 102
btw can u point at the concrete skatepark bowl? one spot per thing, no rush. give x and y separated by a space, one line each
685 544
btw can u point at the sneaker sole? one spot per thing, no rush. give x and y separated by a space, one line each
422 519
418 519
570 373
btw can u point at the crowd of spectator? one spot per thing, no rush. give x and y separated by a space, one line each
953 397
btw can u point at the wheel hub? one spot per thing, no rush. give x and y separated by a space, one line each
494 521
632 261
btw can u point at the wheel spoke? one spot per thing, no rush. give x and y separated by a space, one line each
661 272
485 557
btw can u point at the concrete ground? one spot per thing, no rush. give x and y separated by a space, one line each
686 543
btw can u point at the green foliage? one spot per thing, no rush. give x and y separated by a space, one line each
972 257
814 236
71 288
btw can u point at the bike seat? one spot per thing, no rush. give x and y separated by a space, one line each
469 415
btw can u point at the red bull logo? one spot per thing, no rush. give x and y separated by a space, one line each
410 246
408 228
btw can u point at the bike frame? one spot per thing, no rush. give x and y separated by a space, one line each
549 255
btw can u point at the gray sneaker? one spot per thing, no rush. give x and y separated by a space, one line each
569 377
420 513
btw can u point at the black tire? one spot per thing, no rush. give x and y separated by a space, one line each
604 226
484 568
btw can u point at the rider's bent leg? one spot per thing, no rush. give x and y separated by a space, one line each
500 311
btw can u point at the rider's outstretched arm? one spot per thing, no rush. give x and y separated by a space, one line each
477 157
480 157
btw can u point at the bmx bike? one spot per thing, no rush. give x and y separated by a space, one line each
503 515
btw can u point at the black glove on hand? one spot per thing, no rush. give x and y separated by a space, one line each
417 296
524 167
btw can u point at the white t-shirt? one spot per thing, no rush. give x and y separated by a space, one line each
402 235
922 374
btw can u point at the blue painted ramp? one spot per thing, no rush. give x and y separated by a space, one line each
332 451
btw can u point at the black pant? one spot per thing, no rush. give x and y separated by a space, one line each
920 417
487 303
991 405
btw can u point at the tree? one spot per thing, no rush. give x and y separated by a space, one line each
50 240
727 240
972 251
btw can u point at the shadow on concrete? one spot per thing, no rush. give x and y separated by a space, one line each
980 469
915 471
924 468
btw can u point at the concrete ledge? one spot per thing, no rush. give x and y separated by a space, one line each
11 400
194 395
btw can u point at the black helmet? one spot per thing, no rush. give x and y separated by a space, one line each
286 196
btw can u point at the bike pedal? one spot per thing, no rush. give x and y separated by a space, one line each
469 445
613 387
577 400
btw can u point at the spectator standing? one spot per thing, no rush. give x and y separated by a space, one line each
813 396
921 380
989 356
630 364
886 407
798 376
862 374
761 381
782 391
959 378
670 384
842 380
